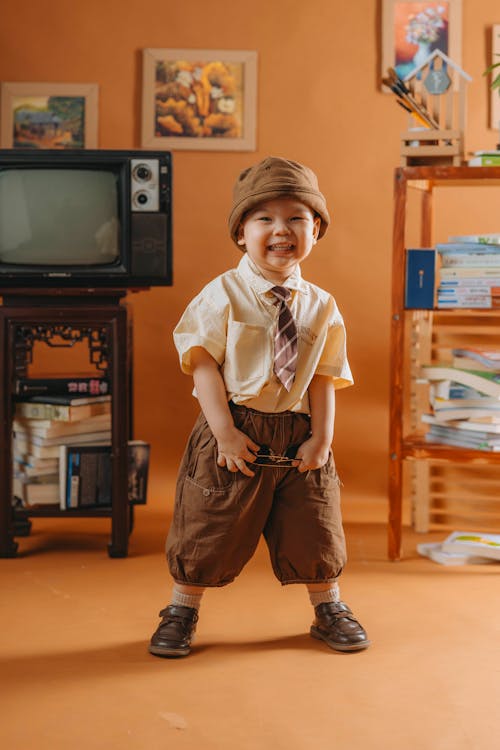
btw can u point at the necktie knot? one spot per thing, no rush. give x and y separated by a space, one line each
282 293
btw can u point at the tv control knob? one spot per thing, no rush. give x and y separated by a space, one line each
142 173
141 198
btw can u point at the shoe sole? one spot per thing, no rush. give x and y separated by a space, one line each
315 633
175 652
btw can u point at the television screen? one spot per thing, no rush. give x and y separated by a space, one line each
59 217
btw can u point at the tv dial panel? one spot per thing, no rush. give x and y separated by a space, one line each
145 184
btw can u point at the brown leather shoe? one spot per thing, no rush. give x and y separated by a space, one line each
175 632
336 625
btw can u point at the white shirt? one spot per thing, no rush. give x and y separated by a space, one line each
234 318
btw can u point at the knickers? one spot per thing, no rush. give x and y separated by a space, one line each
219 515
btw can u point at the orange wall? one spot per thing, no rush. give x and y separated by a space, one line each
318 102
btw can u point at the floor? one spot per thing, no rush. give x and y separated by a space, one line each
76 672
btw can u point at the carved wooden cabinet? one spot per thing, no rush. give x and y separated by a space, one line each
101 319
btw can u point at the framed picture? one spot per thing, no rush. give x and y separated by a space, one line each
48 115
495 92
411 31
199 99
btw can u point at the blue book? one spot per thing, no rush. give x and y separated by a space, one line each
420 279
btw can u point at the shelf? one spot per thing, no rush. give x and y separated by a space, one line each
415 446
456 310
54 511
416 337
425 178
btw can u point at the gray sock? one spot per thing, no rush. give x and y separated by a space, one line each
179 598
330 595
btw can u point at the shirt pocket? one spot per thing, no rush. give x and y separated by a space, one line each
247 352
306 335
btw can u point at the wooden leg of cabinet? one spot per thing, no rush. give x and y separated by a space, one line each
420 495
8 547
395 509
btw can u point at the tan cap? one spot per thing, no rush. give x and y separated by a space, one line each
275 178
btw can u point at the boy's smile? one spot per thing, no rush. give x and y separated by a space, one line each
278 235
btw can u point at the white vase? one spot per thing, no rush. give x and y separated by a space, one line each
422 53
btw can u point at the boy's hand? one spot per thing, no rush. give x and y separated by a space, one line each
313 454
235 451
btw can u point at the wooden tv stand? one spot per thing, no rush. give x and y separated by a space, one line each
98 317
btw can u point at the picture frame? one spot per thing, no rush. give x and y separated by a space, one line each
495 92
199 99
412 30
48 115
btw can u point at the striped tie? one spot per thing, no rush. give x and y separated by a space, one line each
285 340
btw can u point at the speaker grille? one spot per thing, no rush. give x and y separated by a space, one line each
149 245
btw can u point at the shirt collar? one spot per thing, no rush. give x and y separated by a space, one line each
253 276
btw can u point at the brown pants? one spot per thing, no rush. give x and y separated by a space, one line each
219 516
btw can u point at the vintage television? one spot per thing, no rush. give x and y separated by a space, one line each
85 219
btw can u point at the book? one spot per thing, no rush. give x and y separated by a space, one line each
471 301
444 393
460 439
460 272
485 160
492 238
22 447
37 472
474 543
485 382
486 430
85 474
65 400
475 413
488 359
468 254
466 248
420 281
69 412
53 428
469 284
434 551
88 386
34 463
36 493
30 438
464 296
138 470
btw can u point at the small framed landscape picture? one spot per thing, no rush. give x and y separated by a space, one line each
412 30
48 115
199 99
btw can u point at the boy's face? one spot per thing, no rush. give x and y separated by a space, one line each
278 235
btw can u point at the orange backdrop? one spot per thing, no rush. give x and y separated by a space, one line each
318 102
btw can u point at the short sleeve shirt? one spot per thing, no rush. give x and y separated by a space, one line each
235 317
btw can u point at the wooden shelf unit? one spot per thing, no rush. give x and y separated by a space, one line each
413 329
99 318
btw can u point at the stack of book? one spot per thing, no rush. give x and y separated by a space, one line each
465 400
463 548
44 423
62 446
85 475
469 272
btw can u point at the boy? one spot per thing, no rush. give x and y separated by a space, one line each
266 350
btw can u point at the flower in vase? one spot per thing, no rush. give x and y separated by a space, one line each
425 26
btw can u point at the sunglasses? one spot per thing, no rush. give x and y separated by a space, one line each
266 457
